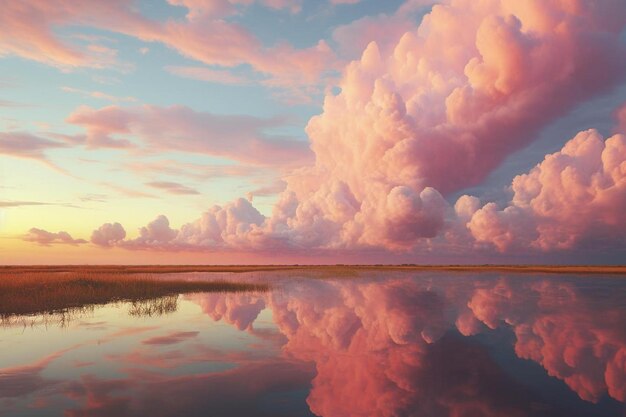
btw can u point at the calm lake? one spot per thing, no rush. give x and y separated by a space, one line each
361 344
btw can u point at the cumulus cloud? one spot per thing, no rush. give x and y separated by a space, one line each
575 196
155 233
230 225
109 234
45 238
179 128
415 124
221 227
426 117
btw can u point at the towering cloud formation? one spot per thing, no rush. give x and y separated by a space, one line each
437 113
474 83
575 195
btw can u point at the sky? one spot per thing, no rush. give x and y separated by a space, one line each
312 131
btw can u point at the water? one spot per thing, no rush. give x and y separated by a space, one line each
380 344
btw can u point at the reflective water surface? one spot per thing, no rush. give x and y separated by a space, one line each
377 344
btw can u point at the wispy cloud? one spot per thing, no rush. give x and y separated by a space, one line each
9 103
7 204
99 95
178 128
172 188
206 34
26 145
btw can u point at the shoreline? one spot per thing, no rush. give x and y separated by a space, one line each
171 269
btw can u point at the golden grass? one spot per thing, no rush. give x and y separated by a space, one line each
35 292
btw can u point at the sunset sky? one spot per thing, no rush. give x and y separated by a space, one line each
312 131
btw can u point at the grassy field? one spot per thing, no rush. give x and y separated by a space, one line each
36 291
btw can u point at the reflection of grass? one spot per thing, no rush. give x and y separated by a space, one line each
154 307
30 292
60 318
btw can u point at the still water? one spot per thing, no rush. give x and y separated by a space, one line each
376 344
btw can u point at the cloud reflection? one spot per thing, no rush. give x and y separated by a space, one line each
404 346
379 347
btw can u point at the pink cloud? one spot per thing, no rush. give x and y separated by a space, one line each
24 145
179 128
108 234
172 188
417 121
27 30
414 123
226 227
384 29
416 118
575 196
230 225
204 34
43 237
156 232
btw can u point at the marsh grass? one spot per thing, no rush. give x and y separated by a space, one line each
44 292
